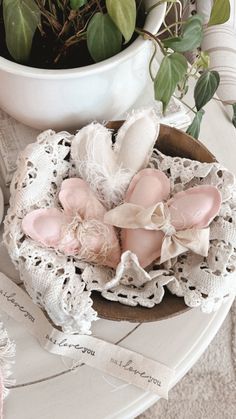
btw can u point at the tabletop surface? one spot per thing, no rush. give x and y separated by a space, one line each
53 387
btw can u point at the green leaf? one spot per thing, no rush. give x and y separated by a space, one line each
203 60
194 128
76 4
234 115
172 70
103 38
220 12
205 88
190 38
21 18
123 14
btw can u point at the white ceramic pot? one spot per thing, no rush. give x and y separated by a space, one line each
62 99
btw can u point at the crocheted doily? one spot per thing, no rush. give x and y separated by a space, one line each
62 285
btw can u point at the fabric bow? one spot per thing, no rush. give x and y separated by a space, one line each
154 226
158 217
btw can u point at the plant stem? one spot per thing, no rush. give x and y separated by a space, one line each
180 8
149 35
169 9
185 104
168 29
164 22
176 19
170 26
151 61
224 102
69 42
99 6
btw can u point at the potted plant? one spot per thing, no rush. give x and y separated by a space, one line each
67 62
68 97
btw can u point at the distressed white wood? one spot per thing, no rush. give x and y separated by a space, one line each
87 393
34 363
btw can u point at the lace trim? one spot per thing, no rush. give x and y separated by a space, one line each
62 285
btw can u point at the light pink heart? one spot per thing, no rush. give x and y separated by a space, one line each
78 229
195 207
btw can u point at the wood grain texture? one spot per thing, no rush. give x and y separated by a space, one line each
171 142
110 310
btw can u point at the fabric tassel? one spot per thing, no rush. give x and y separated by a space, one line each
7 354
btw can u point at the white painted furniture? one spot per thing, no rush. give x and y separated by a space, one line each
49 388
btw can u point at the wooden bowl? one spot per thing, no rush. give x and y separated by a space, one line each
171 142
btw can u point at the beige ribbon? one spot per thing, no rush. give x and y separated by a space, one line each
129 366
196 240
158 218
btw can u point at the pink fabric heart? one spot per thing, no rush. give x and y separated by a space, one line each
169 229
78 229
146 189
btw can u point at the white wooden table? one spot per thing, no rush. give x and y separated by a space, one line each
50 387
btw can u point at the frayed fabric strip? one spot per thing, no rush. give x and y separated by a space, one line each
7 354
122 363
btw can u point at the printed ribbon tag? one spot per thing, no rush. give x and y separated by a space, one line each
119 362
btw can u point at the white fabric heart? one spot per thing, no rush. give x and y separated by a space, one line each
109 168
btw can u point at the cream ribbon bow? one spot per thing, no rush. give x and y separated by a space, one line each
157 217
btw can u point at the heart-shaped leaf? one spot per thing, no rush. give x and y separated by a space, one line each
76 4
123 14
195 126
190 38
205 88
234 115
21 18
203 60
220 12
170 73
103 38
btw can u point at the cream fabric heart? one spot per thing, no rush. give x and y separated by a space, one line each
109 168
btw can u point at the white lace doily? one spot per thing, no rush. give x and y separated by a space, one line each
62 285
